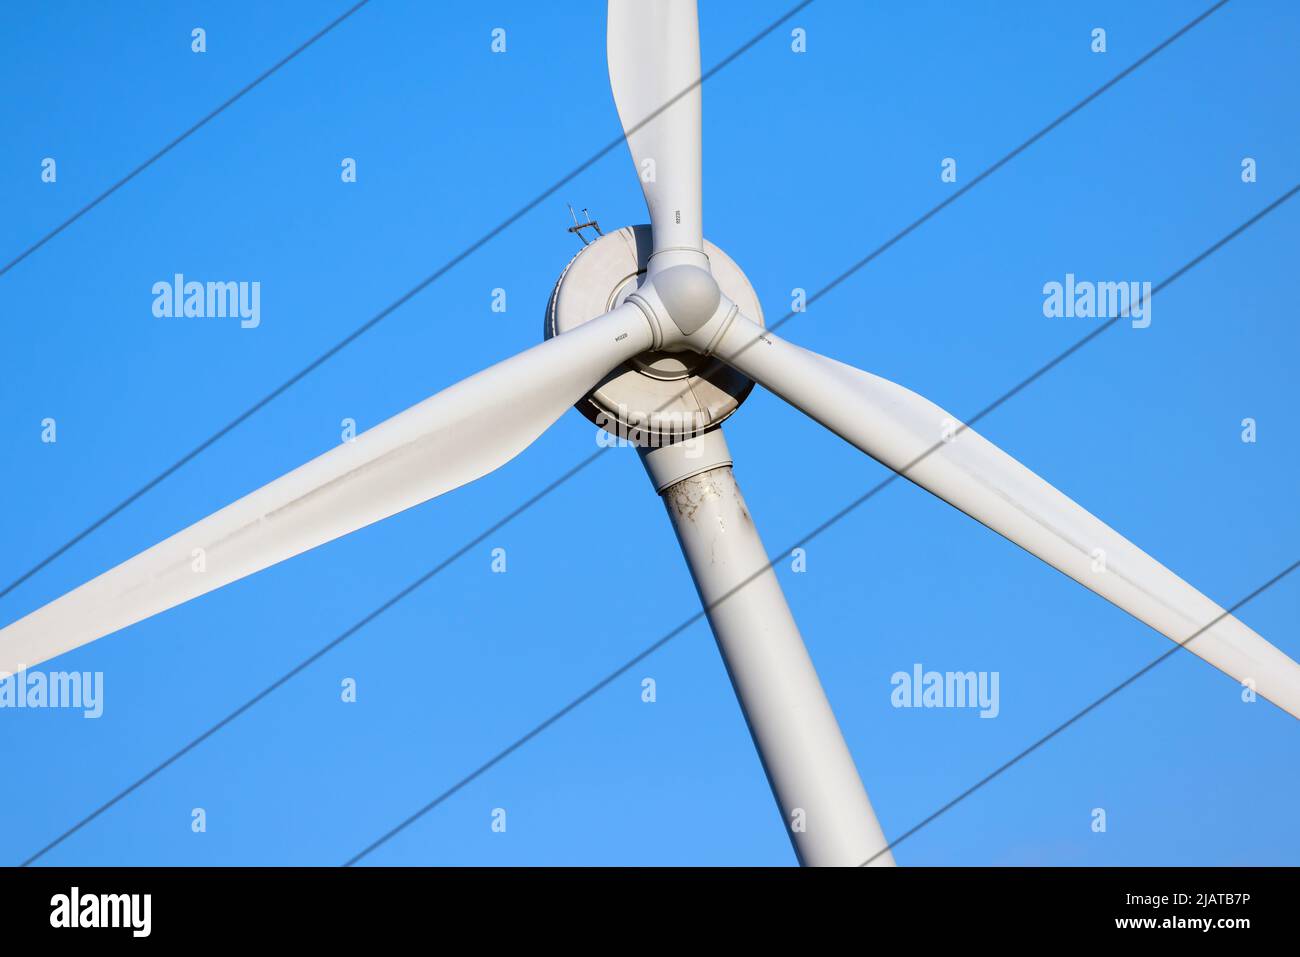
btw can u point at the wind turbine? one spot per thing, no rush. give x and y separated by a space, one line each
654 332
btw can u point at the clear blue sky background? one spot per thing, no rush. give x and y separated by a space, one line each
810 162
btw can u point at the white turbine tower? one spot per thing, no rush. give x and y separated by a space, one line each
653 331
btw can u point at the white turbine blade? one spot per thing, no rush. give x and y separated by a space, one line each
925 444
653 47
449 439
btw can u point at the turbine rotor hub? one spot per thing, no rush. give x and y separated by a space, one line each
672 392
689 294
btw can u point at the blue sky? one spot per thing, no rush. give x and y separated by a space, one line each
810 161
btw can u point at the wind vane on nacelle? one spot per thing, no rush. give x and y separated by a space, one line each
578 227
